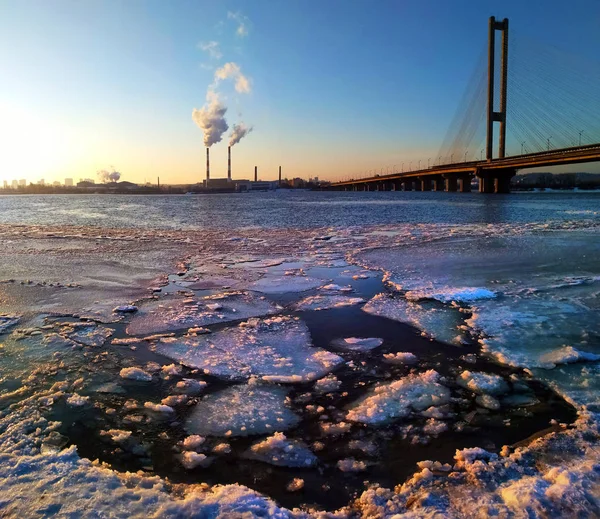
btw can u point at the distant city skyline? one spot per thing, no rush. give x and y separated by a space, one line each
322 89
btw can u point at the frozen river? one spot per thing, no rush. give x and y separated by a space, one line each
289 353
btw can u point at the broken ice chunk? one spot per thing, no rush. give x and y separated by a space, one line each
281 452
482 383
128 309
174 314
357 343
326 302
6 321
135 374
279 349
397 399
241 411
401 357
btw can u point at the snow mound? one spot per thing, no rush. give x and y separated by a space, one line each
482 383
179 313
242 411
278 450
449 294
387 402
357 343
278 349
326 302
401 357
566 355
135 374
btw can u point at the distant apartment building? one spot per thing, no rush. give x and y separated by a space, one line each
14 184
68 182
22 183
42 182
6 184
56 183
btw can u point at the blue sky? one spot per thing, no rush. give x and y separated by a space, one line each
335 87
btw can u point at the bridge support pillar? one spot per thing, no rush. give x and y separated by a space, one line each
407 185
451 183
464 184
425 184
486 184
438 183
417 185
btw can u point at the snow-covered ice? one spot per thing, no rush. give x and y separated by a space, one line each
483 383
326 302
281 451
401 357
278 349
242 410
284 284
175 313
394 400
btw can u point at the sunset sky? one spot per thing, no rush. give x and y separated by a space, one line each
330 87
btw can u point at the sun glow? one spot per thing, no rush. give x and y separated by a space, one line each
33 148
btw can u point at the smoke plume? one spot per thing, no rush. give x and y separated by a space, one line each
109 176
211 119
238 133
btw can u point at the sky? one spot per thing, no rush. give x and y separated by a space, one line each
331 88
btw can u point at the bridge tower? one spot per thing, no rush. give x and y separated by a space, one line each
492 115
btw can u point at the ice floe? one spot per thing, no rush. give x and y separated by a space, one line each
448 294
357 343
326 302
242 410
279 349
135 374
178 313
284 284
401 357
282 452
398 399
7 321
483 383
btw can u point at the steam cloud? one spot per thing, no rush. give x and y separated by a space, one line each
238 133
232 70
211 119
109 176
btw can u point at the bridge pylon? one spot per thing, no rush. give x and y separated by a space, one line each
500 115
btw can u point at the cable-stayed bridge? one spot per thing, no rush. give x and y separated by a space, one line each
549 103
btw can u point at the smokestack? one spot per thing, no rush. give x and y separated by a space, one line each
255 173
229 163
158 182
280 175
207 164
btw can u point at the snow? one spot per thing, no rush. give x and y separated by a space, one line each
449 294
566 355
336 288
357 343
242 410
436 322
135 374
193 442
401 357
278 349
76 400
328 384
295 485
159 408
191 460
398 399
190 386
326 302
279 451
173 313
351 465
482 383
